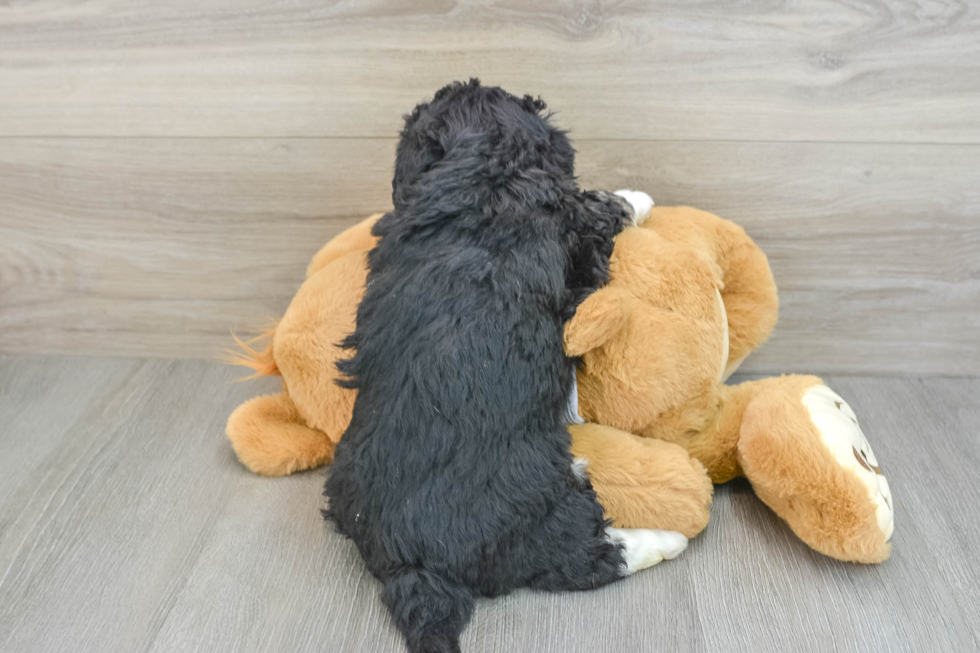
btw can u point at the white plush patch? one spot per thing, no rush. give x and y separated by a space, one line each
640 202
578 468
571 409
644 548
841 434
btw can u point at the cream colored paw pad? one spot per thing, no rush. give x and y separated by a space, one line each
842 435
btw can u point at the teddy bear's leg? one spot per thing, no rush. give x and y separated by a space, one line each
306 343
270 438
803 451
642 482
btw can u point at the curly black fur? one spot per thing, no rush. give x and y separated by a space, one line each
454 477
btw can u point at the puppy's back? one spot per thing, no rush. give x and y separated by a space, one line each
457 446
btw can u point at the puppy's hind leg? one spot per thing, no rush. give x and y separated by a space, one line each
642 547
574 550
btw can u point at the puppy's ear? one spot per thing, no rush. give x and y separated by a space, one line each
428 129
598 318
418 150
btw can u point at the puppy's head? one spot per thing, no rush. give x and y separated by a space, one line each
476 145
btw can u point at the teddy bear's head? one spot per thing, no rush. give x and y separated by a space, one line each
658 339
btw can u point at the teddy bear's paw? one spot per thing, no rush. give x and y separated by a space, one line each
841 434
644 548
641 203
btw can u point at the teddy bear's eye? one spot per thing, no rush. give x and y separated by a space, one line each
862 458
859 456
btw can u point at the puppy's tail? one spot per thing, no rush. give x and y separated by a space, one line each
428 609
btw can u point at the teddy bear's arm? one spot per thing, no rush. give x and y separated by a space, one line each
749 295
356 238
596 320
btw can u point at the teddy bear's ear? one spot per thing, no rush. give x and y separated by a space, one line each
597 319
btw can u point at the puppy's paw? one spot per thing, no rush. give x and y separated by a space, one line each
640 202
644 548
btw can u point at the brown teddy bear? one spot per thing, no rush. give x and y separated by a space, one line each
690 297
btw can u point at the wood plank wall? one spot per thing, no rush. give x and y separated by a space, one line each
168 168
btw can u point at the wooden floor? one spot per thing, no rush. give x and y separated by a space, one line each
126 524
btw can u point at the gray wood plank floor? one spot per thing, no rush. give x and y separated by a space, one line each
127 525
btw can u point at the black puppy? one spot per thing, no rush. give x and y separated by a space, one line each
454 477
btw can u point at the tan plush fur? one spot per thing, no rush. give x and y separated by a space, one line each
270 438
653 346
297 429
690 297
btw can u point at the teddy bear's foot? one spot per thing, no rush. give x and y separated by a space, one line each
643 483
645 548
840 432
803 451
271 439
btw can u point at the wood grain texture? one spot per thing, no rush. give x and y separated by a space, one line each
834 70
160 247
127 525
